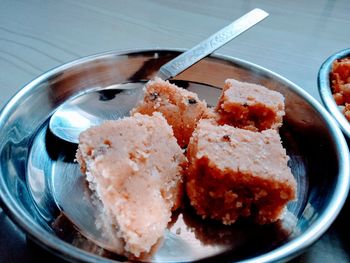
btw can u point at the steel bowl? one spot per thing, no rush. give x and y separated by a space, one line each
31 158
324 87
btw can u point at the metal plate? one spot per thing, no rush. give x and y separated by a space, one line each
38 171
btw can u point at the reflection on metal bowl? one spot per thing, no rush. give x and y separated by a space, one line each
39 180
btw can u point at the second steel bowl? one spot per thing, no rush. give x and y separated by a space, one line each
325 90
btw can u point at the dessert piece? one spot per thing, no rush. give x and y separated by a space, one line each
181 108
250 106
236 173
340 84
134 166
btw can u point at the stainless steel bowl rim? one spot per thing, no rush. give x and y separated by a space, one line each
281 253
325 91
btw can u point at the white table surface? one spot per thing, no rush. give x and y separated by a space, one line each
37 35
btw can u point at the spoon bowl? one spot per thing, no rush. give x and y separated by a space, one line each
93 107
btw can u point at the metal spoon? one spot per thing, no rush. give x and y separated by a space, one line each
90 109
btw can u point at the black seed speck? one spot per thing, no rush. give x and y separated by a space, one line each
192 101
154 96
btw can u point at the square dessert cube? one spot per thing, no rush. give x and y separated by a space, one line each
134 167
181 108
250 106
235 173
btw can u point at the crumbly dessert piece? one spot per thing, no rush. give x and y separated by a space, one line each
236 173
181 108
340 84
250 106
134 166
